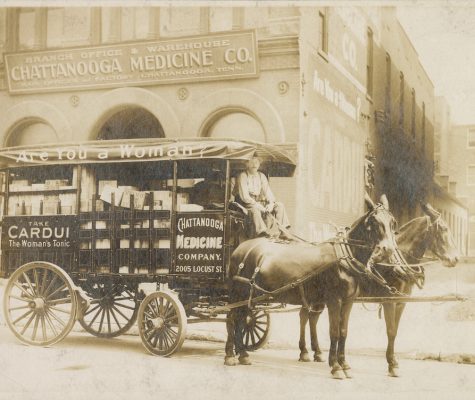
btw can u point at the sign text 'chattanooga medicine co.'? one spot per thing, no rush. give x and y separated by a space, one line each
218 56
199 244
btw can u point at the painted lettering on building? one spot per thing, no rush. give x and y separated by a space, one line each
331 93
336 169
219 56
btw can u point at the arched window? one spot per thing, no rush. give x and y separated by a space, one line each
131 123
31 133
237 125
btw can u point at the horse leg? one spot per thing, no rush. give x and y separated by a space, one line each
241 315
398 313
344 319
390 318
303 314
313 317
229 358
334 312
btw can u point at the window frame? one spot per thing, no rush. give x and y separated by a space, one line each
369 62
469 146
468 175
323 37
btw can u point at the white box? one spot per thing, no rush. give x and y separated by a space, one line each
139 199
106 195
103 183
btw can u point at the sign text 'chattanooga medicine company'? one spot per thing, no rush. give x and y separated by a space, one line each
219 56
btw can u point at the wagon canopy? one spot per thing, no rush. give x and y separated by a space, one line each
276 160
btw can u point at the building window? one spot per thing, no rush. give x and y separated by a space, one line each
401 102
26 28
323 33
369 63
471 137
413 115
134 23
69 26
220 19
423 127
3 32
471 175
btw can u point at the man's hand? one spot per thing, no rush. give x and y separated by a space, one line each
260 207
269 207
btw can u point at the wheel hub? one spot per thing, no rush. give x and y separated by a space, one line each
158 322
38 304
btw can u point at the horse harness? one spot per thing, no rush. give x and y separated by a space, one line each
342 246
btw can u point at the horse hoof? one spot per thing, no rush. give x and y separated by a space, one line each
393 372
318 358
348 373
230 361
338 374
245 360
304 357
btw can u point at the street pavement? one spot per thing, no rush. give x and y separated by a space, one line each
85 367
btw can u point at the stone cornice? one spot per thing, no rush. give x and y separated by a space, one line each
284 45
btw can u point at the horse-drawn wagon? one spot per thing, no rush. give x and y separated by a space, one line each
88 230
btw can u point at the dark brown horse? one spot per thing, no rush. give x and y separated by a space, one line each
302 273
417 236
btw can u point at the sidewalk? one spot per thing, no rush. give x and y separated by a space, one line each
439 331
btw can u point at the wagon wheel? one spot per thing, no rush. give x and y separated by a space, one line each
113 309
40 304
256 330
162 323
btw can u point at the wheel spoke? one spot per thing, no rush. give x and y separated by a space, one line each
55 277
160 310
59 310
92 309
116 309
19 298
50 323
124 306
95 316
64 300
102 320
115 318
52 314
156 338
27 324
43 328
35 328
172 318
43 283
18 308
62 287
108 321
27 279
257 327
28 294
22 317
36 280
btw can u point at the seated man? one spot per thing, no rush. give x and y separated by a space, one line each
252 190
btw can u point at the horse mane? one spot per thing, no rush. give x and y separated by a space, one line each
411 235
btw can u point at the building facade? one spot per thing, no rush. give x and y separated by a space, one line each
329 84
461 164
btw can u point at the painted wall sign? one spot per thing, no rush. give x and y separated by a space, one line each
199 244
218 56
45 232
